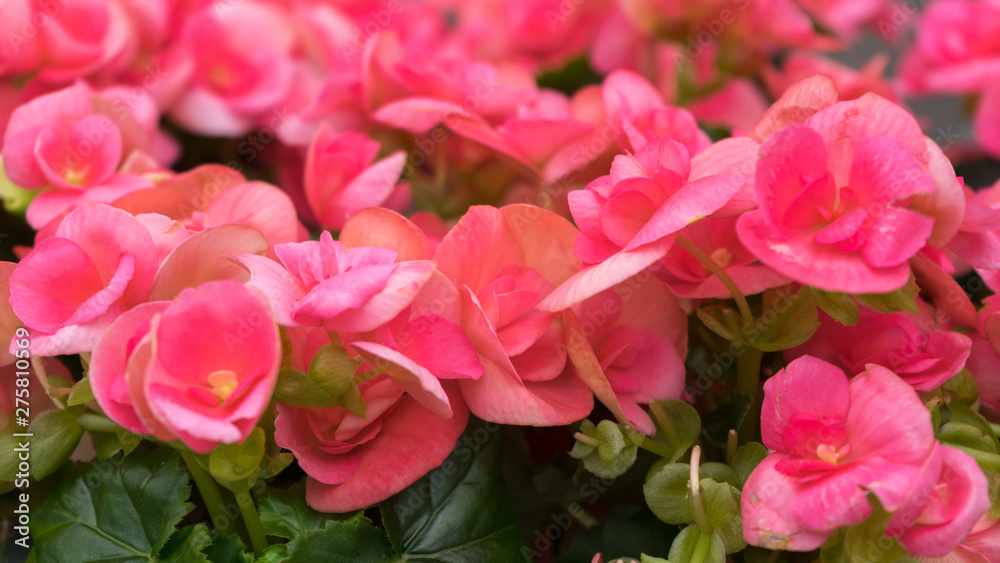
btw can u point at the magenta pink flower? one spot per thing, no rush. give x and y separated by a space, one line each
628 344
241 67
851 83
200 368
950 497
919 348
503 262
629 219
354 462
320 283
75 38
849 196
71 286
834 442
341 177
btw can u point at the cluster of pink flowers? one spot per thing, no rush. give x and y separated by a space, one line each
570 238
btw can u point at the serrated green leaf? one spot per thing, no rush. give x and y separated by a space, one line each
55 436
122 510
903 299
277 553
227 549
186 546
840 307
285 514
353 541
81 393
748 457
458 512
692 540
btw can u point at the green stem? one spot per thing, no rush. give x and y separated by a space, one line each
748 383
592 442
655 447
209 493
252 520
694 481
701 548
712 266
96 423
985 460
668 429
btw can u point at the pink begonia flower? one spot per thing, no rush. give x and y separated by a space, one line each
71 286
213 195
834 442
73 141
320 283
738 105
851 83
955 50
849 196
62 41
845 17
9 323
919 348
978 239
982 545
628 344
687 277
629 219
950 497
354 462
985 355
640 115
341 176
242 67
200 368
503 262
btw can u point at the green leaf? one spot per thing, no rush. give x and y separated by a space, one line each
903 299
285 514
297 389
227 549
458 512
667 495
650 559
121 510
796 330
276 464
678 425
961 388
838 306
614 454
732 535
748 457
721 320
56 435
721 502
330 381
186 546
277 553
235 463
106 445
81 393
353 541
128 440
692 540
626 531
9 446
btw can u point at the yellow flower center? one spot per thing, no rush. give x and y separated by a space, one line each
223 383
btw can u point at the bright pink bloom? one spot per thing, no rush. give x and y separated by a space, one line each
320 283
67 290
834 442
920 348
950 497
851 83
982 545
640 115
687 277
629 219
61 41
628 344
849 196
978 239
845 17
354 462
200 368
341 177
503 262
956 51
985 355
242 67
